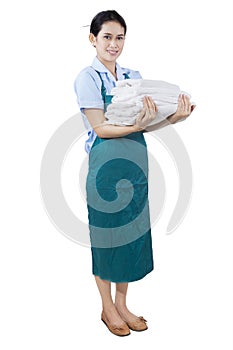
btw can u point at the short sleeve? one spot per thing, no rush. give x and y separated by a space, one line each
87 87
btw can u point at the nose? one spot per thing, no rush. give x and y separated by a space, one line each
113 43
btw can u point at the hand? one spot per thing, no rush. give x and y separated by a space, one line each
183 111
147 114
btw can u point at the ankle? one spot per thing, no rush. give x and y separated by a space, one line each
108 307
121 306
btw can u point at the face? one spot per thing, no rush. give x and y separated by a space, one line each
109 42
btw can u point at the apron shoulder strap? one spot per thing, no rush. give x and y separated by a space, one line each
103 88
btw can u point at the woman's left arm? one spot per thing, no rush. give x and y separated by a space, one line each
183 111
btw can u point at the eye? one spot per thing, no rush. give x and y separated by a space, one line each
120 38
107 37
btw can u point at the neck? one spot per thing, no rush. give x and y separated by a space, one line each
111 66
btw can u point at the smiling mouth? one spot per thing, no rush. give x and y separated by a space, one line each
112 52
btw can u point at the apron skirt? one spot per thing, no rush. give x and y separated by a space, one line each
118 208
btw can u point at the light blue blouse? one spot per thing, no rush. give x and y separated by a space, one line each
87 87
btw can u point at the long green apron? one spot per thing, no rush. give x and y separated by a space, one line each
118 209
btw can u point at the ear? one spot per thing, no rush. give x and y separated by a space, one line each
92 39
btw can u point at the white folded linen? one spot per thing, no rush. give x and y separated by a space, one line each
128 95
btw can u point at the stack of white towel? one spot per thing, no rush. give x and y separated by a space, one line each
128 95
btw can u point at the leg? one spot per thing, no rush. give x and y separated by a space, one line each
109 308
120 302
121 292
134 322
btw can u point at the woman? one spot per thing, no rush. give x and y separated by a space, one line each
117 161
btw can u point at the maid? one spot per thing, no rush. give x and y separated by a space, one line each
117 180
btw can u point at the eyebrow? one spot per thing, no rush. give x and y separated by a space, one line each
112 34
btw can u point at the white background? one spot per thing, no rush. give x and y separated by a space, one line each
48 296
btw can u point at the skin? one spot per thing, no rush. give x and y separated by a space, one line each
109 44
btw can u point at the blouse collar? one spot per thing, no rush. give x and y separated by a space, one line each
100 67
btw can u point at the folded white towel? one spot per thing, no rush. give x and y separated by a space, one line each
128 96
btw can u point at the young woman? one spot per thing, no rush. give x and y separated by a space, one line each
121 252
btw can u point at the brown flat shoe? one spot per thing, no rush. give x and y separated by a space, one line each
139 325
121 331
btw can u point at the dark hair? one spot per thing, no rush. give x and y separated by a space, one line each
106 16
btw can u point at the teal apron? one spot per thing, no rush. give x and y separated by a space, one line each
118 209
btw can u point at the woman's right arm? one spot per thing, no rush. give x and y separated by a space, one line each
97 120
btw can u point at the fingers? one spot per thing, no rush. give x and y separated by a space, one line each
184 105
187 104
148 113
150 108
142 113
149 104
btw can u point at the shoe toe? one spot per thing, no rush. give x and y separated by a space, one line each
117 330
139 325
